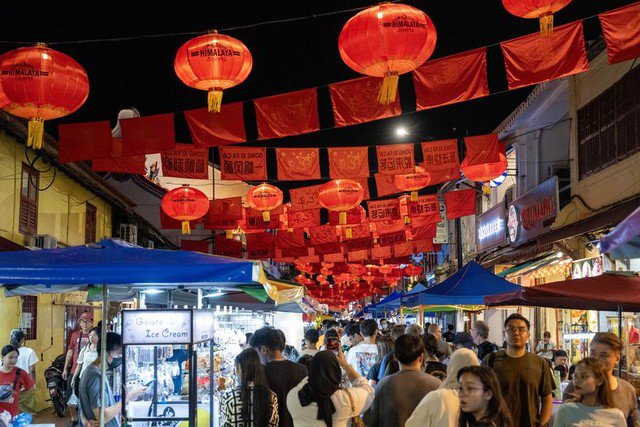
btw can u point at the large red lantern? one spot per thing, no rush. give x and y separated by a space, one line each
38 84
185 204
412 270
213 62
264 198
413 181
341 195
484 172
536 9
385 41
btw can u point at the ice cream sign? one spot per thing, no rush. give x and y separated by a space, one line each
156 327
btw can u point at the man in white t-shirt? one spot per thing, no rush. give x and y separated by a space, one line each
364 355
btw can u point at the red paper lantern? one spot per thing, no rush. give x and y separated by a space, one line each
38 84
185 204
413 181
385 41
213 62
341 195
385 269
540 9
321 278
264 198
357 269
412 270
326 271
327 264
484 172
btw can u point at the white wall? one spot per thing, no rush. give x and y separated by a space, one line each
292 326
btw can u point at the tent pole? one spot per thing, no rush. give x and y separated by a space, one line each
103 346
620 336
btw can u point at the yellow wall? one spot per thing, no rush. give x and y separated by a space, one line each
61 213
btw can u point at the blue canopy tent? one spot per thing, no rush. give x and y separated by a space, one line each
624 240
389 303
410 297
468 286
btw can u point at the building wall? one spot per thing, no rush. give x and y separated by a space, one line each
619 181
61 213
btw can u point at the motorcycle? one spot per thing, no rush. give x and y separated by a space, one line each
57 385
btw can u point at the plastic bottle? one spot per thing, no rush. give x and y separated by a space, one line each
22 420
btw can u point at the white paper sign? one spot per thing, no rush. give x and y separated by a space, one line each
202 325
26 321
156 327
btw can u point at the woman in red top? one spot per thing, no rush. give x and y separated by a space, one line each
13 381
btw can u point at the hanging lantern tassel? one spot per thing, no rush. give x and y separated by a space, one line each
266 216
407 220
229 234
389 88
342 217
414 196
546 25
35 133
215 100
186 228
348 233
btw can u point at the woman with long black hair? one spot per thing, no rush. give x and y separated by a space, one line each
252 403
481 401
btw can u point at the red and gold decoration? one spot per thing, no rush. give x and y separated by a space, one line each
38 83
536 9
484 172
213 62
485 159
413 181
385 41
264 198
341 195
185 204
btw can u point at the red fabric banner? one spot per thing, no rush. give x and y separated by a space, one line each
389 239
384 210
451 79
168 223
132 164
243 163
255 219
424 246
349 162
460 203
403 249
389 226
290 240
195 245
323 234
483 149
292 113
354 216
305 198
260 246
216 129
440 159
301 219
327 248
335 257
362 231
365 186
226 209
621 30
85 141
227 247
360 255
356 101
385 185
380 252
186 162
425 207
534 58
357 244
395 159
298 164
147 135
424 233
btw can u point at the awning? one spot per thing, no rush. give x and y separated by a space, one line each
624 241
531 265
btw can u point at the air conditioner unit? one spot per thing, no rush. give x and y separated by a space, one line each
44 241
129 233
151 244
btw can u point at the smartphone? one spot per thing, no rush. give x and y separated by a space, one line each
333 344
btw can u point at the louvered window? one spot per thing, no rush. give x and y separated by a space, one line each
29 200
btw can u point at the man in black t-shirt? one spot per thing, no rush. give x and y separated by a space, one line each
282 374
450 334
480 335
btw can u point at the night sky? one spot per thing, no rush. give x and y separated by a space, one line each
287 56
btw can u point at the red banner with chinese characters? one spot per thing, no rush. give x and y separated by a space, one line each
216 129
358 232
195 245
335 257
292 113
384 210
147 135
323 234
395 159
535 58
460 203
302 219
365 186
440 159
385 185
425 207
243 163
356 101
357 244
354 216
483 149
260 245
305 198
85 141
388 226
255 219
298 164
380 252
227 247
388 239
403 249
186 162
451 79
226 209
349 162
621 30
361 255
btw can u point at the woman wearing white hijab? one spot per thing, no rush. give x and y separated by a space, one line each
441 407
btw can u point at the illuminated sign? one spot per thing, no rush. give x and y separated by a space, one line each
491 228
532 214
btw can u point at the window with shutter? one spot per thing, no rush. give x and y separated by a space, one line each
90 223
29 200
29 321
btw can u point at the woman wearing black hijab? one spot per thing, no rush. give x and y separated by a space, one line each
319 401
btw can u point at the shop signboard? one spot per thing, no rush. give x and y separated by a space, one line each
202 325
533 213
588 267
156 327
491 228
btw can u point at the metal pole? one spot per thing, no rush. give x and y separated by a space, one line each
620 336
459 243
211 396
103 346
